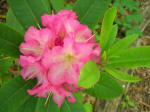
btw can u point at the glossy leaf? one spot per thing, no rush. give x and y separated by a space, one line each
90 12
4 78
29 12
58 4
9 41
12 21
89 75
5 64
40 105
29 105
72 107
131 58
121 75
106 88
35 104
131 104
122 44
107 26
88 107
112 37
14 94
52 106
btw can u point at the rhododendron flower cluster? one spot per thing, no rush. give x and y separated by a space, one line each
55 55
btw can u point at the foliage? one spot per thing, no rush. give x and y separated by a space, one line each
89 68
130 16
99 80
5 64
92 12
127 102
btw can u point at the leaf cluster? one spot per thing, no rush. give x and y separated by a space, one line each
130 17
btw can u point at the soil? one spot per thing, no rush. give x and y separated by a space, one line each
139 93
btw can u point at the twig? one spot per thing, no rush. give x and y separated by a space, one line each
145 104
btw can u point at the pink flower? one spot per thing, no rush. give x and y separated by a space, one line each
67 14
69 59
55 55
58 92
80 32
36 41
64 24
31 69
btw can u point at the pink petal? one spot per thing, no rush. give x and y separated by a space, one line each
31 69
67 14
71 76
69 95
51 57
53 22
84 34
46 36
31 48
31 34
59 99
56 74
84 50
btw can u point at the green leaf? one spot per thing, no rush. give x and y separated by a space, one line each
130 4
121 75
9 41
58 4
106 88
4 78
124 104
122 44
14 94
91 11
29 105
47 6
112 36
52 106
12 21
5 64
40 105
131 104
88 107
122 10
127 98
29 12
107 26
131 58
34 104
89 75
68 7
80 96
72 107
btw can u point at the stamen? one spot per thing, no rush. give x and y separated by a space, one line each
90 37
27 49
49 95
38 51
31 76
38 25
53 12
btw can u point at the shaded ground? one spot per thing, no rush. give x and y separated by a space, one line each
139 93
3 10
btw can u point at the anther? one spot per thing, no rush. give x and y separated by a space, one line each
38 25
90 37
48 97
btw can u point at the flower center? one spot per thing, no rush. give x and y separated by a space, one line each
69 59
58 42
